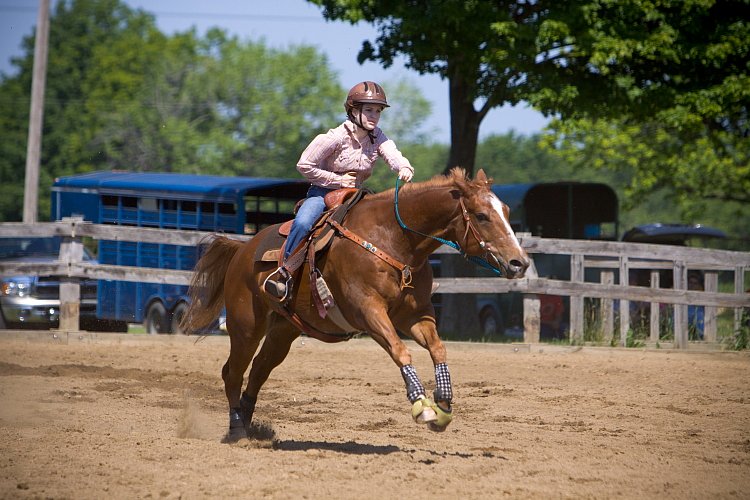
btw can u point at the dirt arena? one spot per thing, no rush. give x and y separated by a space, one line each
118 416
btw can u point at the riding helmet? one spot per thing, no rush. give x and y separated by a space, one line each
365 92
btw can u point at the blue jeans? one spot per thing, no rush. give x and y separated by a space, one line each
308 213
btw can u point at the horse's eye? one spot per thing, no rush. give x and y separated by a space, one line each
481 217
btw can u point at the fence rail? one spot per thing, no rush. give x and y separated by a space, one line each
609 258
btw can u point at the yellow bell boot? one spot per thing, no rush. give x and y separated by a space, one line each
444 417
422 410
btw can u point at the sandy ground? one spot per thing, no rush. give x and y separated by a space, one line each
118 416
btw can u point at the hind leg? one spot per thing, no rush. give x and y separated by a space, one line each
245 329
275 348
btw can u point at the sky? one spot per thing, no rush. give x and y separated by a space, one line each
281 24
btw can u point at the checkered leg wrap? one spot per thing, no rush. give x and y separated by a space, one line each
443 388
414 388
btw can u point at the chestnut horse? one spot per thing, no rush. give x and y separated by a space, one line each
373 292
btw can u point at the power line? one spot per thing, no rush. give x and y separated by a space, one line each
197 15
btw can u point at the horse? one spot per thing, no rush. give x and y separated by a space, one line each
376 268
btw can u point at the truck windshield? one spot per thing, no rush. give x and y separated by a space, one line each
29 247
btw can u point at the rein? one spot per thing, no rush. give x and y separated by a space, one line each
454 245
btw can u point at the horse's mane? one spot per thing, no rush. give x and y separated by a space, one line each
456 175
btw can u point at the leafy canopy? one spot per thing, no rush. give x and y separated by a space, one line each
122 95
654 88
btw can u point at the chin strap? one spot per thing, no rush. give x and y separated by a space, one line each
370 133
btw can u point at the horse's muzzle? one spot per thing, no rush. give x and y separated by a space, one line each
512 268
516 268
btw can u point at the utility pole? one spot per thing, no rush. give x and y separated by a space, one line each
36 114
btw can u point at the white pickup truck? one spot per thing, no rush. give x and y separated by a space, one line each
33 302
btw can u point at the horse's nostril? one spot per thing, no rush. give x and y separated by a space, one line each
517 264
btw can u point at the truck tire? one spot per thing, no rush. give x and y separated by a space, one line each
156 320
178 313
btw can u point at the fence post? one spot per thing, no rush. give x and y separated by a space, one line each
71 252
624 304
608 314
679 273
739 289
531 311
576 301
711 284
654 309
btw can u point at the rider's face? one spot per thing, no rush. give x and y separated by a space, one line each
370 115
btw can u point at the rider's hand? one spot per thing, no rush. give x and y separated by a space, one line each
405 174
349 180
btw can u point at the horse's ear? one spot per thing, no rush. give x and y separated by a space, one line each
482 177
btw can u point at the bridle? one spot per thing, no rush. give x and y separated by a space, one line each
469 227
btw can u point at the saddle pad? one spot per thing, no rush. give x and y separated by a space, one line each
272 242
271 255
285 228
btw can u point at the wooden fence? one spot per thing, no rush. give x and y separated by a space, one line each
611 259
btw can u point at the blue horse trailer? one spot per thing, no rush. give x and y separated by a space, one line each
239 205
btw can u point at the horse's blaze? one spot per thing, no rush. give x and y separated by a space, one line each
498 206
511 250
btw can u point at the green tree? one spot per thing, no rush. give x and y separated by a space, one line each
485 50
226 107
675 78
122 95
680 64
81 33
14 126
458 40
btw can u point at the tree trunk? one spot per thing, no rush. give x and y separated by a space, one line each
459 316
465 122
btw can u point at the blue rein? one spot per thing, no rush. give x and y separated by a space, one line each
454 245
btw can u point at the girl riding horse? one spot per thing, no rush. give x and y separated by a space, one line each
369 289
342 158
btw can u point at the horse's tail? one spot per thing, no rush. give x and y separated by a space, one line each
206 290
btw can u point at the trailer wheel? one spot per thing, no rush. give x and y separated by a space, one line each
177 314
156 320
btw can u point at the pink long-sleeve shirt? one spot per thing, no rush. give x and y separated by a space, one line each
331 155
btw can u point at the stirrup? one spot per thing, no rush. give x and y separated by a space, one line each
279 289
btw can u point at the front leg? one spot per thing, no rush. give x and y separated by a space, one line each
424 332
424 410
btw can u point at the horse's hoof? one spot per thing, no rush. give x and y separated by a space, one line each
234 434
444 417
237 428
422 411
